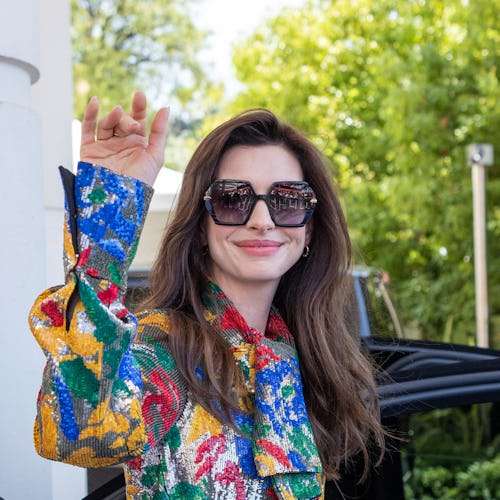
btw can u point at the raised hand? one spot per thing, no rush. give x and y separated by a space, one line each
120 142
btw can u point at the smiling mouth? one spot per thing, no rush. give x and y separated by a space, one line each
258 244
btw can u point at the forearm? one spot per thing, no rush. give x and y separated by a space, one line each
89 409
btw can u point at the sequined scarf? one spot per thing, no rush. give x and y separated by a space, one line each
282 439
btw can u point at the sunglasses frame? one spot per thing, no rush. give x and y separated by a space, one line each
256 197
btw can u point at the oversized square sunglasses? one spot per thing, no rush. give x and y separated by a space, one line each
231 202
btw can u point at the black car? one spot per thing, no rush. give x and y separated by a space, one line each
439 401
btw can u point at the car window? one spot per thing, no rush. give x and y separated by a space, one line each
376 308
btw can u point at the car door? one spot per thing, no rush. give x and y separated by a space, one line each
416 380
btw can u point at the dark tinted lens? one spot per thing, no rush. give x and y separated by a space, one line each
291 203
231 201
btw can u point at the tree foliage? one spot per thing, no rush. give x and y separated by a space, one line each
121 45
392 92
153 45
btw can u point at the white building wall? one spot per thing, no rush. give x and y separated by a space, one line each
35 136
21 252
52 99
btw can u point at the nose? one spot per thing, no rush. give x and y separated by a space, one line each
260 218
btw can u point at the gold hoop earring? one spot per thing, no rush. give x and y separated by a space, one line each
306 252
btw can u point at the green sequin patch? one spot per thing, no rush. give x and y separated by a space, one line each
80 380
152 475
303 485
173 438
302 443
106 330
114 273
164 357
120 388
182 491
97 196
287 391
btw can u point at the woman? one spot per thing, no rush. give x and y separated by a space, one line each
241 377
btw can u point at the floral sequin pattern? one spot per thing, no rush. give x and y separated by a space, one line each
89 408
220 460
111 392
282 439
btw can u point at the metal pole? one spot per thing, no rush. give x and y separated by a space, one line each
479 156
480 273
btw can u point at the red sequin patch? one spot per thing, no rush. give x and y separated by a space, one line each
275 451
51 309
109 295
84 257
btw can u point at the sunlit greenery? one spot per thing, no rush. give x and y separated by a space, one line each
123 45
392 92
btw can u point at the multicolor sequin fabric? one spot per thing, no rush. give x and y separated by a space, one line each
111 392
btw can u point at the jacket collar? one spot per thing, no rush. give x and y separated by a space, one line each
282 438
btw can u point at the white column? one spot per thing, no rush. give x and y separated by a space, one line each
53 100
34 40
21 253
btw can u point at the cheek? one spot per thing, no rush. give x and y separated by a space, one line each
298 240
215 235
301 236
209 231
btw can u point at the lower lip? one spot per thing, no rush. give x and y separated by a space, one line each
260 251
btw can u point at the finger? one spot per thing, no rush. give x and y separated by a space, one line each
139 109
107 124
127 126
158 135
88 122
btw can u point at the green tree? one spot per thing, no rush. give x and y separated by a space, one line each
392 92
153 45
121 45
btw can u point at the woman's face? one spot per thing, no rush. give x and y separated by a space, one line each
259 252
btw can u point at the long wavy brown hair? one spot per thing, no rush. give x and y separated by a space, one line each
314 297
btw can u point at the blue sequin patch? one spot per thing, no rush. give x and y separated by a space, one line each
68 421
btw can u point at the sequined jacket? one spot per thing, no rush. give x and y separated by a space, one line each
111 393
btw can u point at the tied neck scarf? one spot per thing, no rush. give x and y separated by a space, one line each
282 440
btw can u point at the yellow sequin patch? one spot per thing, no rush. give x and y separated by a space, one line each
99 427
48 442
203 423
137 439
264 461
85 457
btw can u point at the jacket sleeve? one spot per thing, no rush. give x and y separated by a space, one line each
89 409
